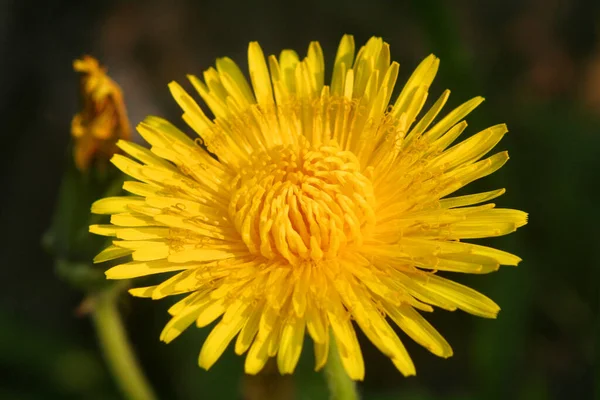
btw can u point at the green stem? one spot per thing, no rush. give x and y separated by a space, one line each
341 387
117 349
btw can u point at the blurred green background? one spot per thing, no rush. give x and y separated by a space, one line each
537 62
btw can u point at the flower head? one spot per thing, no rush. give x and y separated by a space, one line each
323 205
103 119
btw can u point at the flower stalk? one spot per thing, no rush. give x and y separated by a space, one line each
116 348
341 386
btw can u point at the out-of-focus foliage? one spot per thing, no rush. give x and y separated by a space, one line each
536 62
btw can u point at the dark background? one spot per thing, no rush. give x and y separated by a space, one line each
537 62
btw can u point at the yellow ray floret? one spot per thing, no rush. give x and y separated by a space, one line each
303 207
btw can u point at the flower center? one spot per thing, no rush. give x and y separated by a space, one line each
302 203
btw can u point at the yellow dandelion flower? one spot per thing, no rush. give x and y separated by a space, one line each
103 118
323 205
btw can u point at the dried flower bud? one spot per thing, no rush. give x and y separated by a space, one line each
103 118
